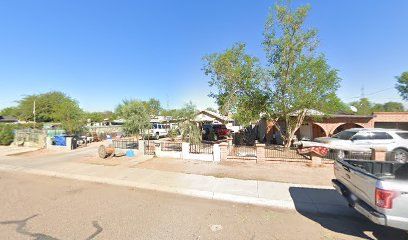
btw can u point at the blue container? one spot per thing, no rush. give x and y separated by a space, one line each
130 153
60 140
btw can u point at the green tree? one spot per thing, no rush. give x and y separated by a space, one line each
153 106
299 79
402 85
136 116
100 116
6 134
393 107
189 129
365 107
236 80
296 80
70 115
10 111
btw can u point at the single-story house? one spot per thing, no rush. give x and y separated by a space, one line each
210 117
8 119
323 126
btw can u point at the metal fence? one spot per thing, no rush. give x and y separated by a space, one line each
201 148
125 143
171 146
242 151
278 152
149 147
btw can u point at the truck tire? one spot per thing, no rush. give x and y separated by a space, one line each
400 155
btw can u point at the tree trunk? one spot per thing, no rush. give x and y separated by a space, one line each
290 132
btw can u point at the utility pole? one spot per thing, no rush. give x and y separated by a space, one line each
34 113
362 92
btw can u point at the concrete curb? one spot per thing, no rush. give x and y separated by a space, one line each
283 204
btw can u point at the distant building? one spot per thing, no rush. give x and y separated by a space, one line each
8 119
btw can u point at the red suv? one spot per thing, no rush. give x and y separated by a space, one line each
213 132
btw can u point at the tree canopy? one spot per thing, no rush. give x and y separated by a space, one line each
136 115
402 85
366 107
296 79
49 107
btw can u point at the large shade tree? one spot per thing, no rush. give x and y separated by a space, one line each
296 80
402 85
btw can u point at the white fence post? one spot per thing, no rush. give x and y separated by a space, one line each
141 147
216 153
185 150
157 148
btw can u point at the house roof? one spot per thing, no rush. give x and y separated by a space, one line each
212 114
8 119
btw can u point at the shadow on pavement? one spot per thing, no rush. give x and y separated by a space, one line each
21 224
331 211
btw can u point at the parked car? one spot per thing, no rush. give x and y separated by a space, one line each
213 132
393 140
158 130
377 190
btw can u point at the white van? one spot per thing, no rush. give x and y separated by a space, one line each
158 130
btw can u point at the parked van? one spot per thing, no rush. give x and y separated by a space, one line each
158 130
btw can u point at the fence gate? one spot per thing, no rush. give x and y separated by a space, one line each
149 147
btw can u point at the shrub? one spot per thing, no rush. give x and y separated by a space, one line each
6 134
173 133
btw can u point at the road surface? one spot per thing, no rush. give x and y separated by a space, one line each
39 207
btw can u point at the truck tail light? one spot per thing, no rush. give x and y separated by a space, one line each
384 198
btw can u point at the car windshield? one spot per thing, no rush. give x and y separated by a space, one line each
345 135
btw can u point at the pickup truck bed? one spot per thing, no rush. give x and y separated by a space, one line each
378 190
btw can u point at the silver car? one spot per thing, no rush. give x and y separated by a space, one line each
393 140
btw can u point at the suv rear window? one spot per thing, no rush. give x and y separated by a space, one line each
380 136
403 135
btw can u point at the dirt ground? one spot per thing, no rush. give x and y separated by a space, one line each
271 171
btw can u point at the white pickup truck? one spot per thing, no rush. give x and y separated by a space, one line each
378 190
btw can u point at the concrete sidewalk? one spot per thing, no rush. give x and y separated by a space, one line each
303 198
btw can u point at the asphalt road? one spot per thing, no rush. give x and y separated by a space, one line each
37 207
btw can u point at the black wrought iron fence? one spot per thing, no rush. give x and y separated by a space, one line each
171 146
242 151
282 153
149 147
201 148
125 143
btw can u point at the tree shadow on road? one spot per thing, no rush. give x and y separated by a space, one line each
21 225
326 207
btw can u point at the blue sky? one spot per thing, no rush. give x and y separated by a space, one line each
100 52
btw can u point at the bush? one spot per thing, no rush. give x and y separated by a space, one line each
6 134
173 133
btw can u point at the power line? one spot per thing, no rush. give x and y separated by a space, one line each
373 93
